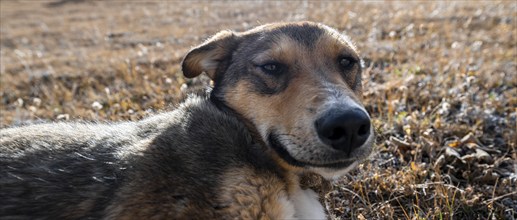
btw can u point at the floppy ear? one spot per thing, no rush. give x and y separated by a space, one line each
208 56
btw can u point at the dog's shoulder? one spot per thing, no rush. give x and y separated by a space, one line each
203 159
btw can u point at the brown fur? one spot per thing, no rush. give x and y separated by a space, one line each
260 192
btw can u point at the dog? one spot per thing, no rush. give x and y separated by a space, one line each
286 102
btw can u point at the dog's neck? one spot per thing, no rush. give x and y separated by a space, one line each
222 106
307 180
303 182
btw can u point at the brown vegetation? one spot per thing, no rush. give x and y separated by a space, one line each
441 83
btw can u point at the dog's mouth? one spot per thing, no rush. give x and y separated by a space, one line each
281 150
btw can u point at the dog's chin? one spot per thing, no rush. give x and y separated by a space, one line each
328 169
334 173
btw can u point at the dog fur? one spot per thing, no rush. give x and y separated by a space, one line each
238 153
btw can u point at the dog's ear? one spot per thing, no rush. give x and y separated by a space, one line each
207 57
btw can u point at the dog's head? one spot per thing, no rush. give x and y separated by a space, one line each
299 86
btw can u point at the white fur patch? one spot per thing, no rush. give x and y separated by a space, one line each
307 205
302 204
288 208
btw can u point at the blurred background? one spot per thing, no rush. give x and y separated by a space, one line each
441 83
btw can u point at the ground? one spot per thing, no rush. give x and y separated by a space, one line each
440 82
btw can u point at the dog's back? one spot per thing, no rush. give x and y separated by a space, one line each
58 170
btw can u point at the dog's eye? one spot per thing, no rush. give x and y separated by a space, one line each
272 68
346 62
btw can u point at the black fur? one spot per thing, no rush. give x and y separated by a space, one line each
305 34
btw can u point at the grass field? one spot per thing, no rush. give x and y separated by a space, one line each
441 83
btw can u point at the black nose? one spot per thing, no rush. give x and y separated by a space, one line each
344 130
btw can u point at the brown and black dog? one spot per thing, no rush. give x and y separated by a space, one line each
285 103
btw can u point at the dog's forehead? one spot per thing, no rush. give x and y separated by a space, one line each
306 34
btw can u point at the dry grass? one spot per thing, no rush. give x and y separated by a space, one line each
441 83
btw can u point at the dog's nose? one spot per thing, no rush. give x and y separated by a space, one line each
344 130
